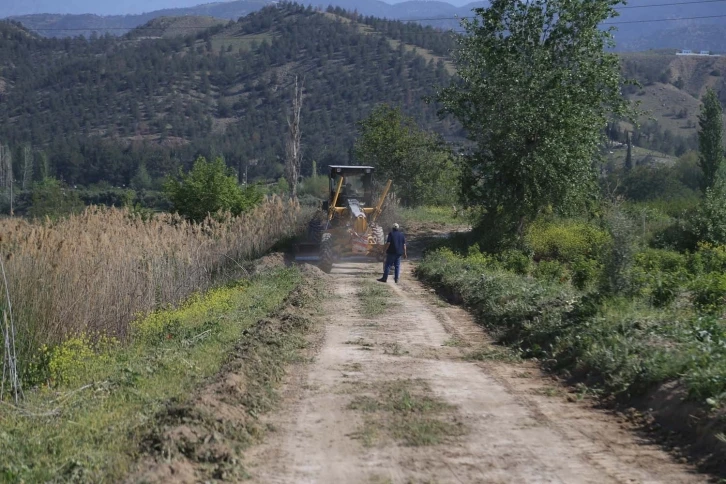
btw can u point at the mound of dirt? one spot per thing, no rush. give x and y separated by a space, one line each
179 472
668 408
270 261
202 438
310 270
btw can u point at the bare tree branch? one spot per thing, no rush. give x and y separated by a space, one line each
293 154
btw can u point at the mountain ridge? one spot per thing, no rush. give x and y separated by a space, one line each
101 109
635 31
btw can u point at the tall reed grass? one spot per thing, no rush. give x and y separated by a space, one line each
94 273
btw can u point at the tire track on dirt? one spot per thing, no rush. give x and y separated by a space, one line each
514 432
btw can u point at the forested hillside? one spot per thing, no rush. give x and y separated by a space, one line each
669 93
105 108
49 23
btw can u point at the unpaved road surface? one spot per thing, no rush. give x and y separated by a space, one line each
394 398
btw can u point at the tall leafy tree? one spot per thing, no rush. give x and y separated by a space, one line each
208 188
536 90
51 198
710 139
417 161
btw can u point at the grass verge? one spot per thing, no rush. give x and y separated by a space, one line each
91 425
493 353
669 359
432 215
406 411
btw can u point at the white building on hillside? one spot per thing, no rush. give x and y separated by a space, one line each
700 53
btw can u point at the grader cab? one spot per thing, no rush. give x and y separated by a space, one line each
346 228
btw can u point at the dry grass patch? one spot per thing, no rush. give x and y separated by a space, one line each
494 353
405 411
93 274
374 299
455 342
91 428
394 349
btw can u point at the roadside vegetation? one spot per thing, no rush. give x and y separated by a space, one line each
108 398
112 319
556 301
434 215
611 276
87 277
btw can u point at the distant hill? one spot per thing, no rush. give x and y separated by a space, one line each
55 25
670 93
694 37
699 26
99 110
177 87
25 7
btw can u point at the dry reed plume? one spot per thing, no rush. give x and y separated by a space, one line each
95 272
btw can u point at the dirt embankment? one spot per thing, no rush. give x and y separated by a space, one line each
202 439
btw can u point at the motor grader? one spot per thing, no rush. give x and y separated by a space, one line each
346 229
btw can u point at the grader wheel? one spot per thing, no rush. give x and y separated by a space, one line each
315 230
327 254
377 232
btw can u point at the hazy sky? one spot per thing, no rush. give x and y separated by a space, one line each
110 7
101 7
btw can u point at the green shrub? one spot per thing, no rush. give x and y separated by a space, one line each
659 274
51 198
551 271
566 240
315 186
208 188
710 220
585 272
621 345
515 261
708 258
706 377
661 260
709 292
679 235
665 288
475 259
618 266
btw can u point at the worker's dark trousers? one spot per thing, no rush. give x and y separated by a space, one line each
392 260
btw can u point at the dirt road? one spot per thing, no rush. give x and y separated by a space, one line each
418 394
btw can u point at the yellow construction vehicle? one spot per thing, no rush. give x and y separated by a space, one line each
346 228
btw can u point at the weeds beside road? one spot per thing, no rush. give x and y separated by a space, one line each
89 276
91 426
659 345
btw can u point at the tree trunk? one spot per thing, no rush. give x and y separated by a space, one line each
292 144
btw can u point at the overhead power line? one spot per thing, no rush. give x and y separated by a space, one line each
191 27
638 21
696 2
662 20
669 4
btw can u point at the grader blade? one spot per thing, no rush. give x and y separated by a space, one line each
307 252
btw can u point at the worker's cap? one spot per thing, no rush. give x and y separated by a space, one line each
396 226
